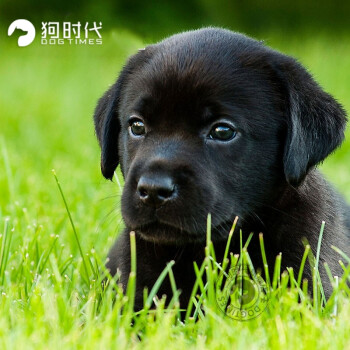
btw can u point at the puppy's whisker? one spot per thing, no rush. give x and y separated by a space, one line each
118 196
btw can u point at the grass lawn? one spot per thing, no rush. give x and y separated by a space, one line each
50 275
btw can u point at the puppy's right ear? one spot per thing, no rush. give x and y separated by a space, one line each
107 129
106 118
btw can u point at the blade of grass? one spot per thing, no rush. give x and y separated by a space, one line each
316 281
158 283
8 170
197 284
263 255
176 293
246 244
228 243
343 255
277 271
5 250
335 309
131 288
73 227
41 265
209 251
302 265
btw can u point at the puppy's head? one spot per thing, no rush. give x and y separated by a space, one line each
211 121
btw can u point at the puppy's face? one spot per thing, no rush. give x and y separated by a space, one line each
206 122
197 138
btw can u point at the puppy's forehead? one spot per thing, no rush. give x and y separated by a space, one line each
199 58
205 53
189 72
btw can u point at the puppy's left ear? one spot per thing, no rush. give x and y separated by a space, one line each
316 121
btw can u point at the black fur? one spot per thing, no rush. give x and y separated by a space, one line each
175 174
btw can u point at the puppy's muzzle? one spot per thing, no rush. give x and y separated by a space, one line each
156 190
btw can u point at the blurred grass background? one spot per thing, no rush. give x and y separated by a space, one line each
48 94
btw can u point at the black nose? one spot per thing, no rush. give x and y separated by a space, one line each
156 190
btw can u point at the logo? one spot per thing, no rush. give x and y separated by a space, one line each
244 295
56 33
25 26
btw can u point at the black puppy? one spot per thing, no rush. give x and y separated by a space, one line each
211 121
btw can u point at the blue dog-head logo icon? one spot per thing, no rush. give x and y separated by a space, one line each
26 26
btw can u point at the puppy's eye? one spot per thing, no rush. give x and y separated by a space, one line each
137 127
222 132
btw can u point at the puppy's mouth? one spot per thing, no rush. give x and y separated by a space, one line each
159 232
169 234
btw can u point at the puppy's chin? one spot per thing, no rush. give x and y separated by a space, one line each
165 234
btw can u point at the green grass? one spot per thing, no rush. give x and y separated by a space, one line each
50 274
